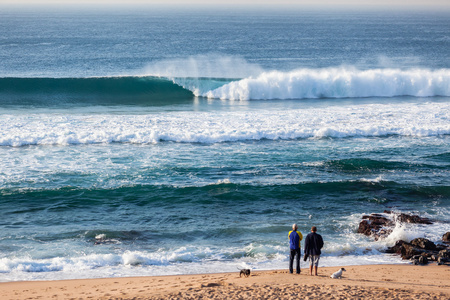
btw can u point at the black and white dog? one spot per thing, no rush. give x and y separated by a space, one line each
245 272
338 274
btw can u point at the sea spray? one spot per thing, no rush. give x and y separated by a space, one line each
203 66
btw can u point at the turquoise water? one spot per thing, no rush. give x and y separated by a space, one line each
156 142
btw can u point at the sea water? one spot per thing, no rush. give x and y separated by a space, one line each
159 142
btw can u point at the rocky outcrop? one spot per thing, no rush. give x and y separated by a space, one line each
404 218
419 246
379 226
423 244
419 250
446 237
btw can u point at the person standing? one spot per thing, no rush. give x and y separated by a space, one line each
313 245
294 244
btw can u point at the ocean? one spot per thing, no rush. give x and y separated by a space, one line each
163 142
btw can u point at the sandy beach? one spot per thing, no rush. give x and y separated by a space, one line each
359 282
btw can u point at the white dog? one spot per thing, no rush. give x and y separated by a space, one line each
338 274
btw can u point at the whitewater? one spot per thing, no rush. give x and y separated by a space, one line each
337 83
417 118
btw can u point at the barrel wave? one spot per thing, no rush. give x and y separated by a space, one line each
127 90
344 82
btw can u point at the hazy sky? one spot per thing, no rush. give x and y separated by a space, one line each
385 3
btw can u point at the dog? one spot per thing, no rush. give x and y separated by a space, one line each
245 272
338 274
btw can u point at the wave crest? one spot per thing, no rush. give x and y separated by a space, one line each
337 83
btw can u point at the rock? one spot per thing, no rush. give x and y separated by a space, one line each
419 250
423 260
440 247
408 251
441 260
397 248
365 228
405 218
374 224
444 253
446 237
419 260
424 244
380 226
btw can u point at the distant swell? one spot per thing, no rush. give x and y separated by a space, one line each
337 83
93 90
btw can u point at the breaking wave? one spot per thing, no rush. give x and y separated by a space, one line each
163 89
337 83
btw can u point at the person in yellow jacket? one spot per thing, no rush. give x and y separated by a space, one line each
294 244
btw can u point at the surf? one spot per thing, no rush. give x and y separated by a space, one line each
337 120
166 88
340 82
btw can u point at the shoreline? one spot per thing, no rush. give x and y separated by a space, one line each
365 281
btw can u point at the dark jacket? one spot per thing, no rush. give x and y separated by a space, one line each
313 244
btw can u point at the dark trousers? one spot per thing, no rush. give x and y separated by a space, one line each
294 253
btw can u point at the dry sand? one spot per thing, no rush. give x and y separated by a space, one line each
359 282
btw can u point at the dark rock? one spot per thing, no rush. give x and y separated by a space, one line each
365 228
442 260
444 253
446 237
380 226
374 224
423 243
419 250
408 251
397 248
440 247
405 218
423 260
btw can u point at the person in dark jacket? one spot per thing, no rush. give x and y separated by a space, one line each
313 244
294 244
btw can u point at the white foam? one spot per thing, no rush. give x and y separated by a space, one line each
351 120
192 260
344 82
